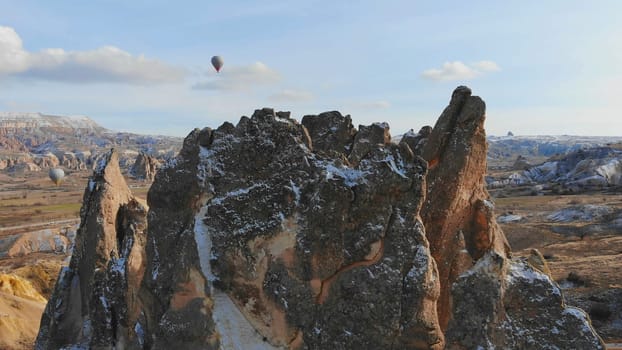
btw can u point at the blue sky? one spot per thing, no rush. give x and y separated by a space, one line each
551 67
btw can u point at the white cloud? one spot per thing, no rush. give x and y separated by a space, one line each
451 71
290 95
240 78
105 64
13 58
486 66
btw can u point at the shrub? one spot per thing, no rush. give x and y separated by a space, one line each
578 280
599 311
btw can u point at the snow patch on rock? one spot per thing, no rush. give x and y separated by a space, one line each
236 332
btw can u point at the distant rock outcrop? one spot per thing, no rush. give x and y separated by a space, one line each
521 163
75 143
144 167
581 170
263 235
22 168
42 241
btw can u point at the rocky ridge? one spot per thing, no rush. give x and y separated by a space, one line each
31 142
265 235
580 171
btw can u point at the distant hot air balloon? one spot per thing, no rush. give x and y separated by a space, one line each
56 175
217 62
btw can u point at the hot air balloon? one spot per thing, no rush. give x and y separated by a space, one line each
217 62
56 175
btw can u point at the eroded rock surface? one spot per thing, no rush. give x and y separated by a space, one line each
457 213
313 252
506 304
144 167
274 234
95 301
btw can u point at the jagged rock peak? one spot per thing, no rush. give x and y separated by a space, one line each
471 250
417 141
330 131
287 236
109 158
94 303
144 167
265 235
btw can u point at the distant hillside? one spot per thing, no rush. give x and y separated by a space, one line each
15 121
35 141
543 145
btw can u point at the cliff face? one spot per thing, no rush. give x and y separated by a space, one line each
275 234
457 213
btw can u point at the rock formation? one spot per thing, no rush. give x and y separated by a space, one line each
144 167
45 161
585 169
521 163
75 143
416 141
457 213
22 168
275 234
70 160
33 242
95 301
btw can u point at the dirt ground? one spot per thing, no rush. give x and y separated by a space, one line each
585 257
32 203
34 199
586 263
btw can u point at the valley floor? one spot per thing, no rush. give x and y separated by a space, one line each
582 244
578 235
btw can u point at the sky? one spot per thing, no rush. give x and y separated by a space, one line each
543 67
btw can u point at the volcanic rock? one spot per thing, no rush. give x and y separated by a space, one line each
417 141
309 249
584 169
457 213
144 167
71 160
331 131
274 234
95 301
20 311
22 168
507 304
521 163
41 241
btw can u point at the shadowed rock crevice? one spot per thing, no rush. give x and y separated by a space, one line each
376 252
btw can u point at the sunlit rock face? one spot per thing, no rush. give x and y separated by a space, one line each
457 212
275 234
